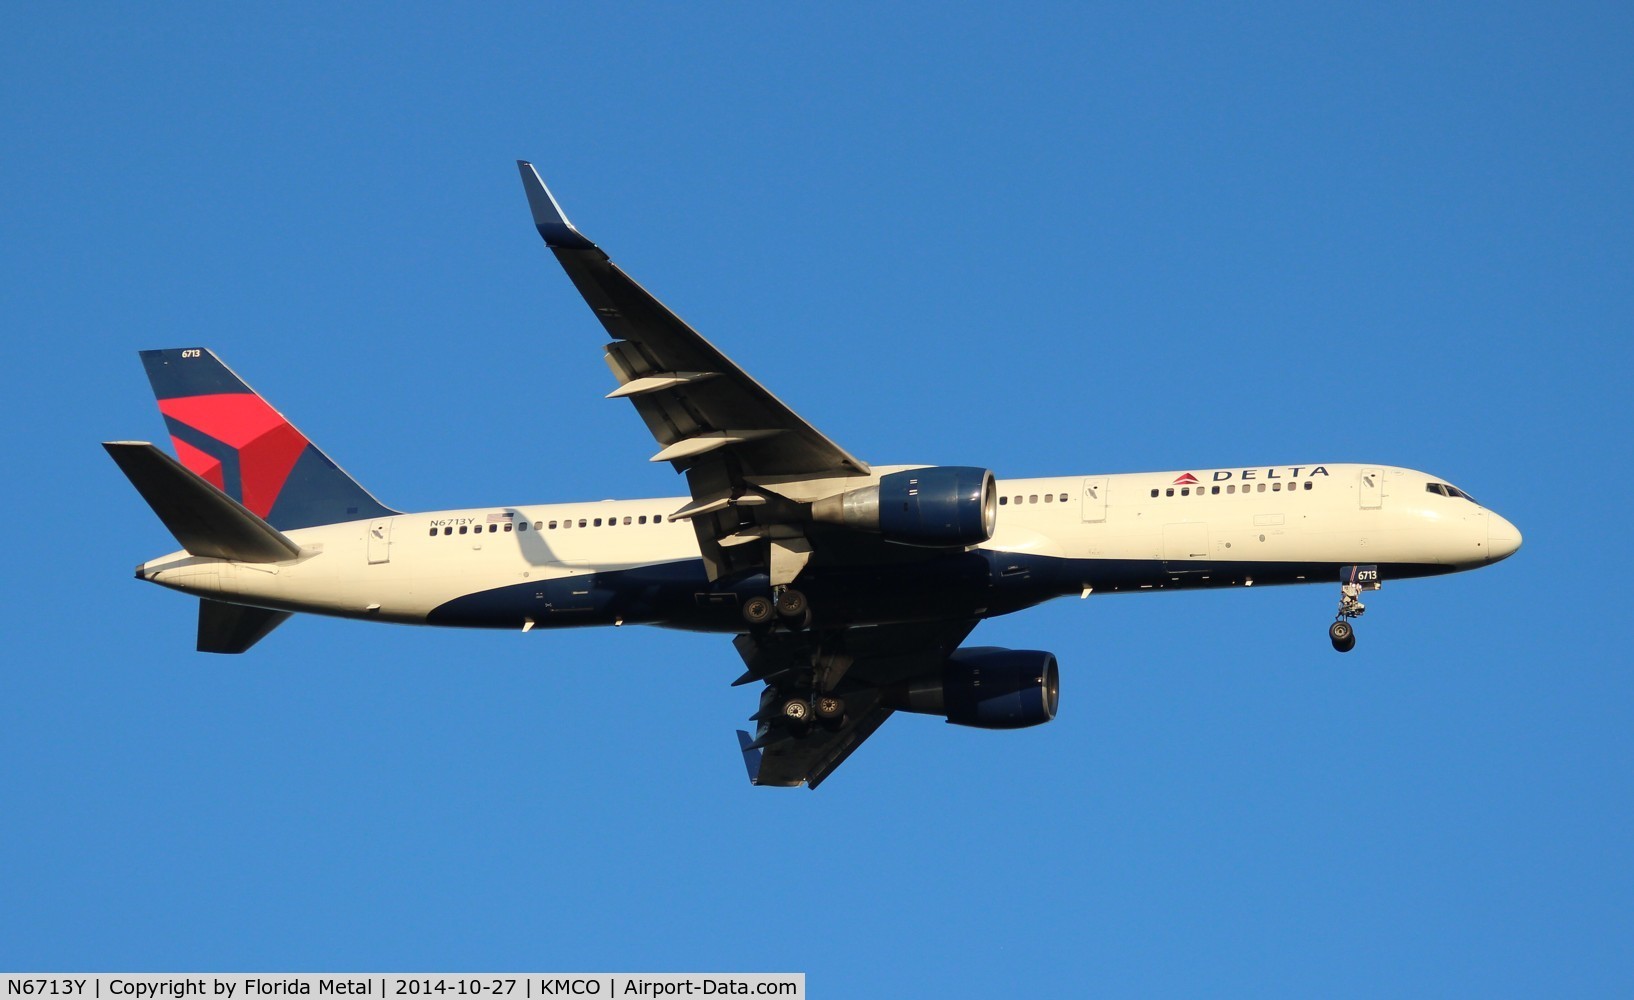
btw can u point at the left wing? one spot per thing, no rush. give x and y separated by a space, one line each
710 419
869 662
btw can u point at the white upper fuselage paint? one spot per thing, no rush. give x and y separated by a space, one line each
402 567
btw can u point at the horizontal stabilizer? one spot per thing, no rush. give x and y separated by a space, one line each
233 628
207 522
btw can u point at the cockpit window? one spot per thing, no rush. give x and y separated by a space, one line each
1450 491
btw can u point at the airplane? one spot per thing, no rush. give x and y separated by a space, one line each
849 588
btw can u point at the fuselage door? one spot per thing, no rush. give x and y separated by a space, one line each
379 544
1095 499
1371 490
1185 547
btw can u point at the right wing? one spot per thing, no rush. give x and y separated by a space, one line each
710 419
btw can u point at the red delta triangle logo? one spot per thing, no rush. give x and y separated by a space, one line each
1185 480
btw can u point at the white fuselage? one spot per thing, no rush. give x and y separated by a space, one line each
626 560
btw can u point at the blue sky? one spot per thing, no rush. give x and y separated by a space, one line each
1052 240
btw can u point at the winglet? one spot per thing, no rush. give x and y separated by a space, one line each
548 216
751 756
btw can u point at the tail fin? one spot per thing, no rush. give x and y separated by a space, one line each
231 437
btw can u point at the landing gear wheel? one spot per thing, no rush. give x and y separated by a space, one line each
791 604
797 710
829 708
1342 636
758 610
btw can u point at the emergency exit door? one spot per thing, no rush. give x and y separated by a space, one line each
379 543
1371 491
1095 499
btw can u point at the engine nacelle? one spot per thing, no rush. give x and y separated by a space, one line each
986 687
940 507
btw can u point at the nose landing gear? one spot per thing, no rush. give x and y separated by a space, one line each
1352 581
1342 635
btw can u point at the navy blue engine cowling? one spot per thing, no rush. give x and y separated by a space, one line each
986 687
939 506
948 505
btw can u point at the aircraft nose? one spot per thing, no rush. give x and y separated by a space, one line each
1502 538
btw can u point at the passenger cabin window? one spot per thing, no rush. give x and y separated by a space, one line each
1307 484
462 529
1154 493
448 531
1005 500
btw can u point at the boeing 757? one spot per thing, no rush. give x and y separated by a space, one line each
848 588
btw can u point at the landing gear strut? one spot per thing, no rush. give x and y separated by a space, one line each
1352 581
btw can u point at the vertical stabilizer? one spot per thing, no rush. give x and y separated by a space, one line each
235 440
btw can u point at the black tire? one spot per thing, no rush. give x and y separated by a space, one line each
797 710
1340 631
758 610
830 708
791 604
1346 646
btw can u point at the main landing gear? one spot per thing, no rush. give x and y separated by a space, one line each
802 667
1352 581
824 709
787 604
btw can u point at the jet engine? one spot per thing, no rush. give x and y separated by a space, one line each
986 687
939 507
